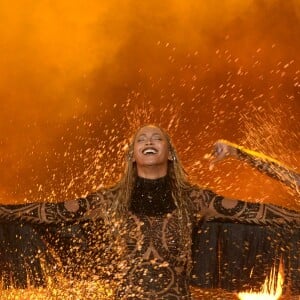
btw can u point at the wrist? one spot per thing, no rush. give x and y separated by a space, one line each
240 153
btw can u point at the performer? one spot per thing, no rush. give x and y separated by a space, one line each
151 213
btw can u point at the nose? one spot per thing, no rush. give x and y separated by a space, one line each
149 141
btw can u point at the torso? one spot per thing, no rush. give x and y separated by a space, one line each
155 259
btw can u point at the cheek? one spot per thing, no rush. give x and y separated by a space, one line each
135 153
165 150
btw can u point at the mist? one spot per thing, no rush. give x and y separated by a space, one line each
77 78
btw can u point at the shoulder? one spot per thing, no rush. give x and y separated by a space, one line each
195 191
105 195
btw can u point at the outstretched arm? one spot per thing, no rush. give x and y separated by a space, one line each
261 162
212 205
51 212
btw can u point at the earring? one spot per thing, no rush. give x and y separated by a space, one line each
130 156
172 157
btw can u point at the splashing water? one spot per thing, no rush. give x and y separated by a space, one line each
271 289
62 290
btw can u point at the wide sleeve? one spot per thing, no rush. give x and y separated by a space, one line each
38 240
237 243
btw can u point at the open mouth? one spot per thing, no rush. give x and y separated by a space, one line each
149 151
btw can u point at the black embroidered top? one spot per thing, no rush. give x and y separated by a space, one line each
153 256
158 260
152 197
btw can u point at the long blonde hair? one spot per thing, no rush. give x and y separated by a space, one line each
178 182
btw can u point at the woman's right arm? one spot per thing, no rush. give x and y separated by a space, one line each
66 211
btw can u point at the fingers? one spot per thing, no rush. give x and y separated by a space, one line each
216 155
221 150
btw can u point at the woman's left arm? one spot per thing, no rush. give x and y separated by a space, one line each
259 161
213 205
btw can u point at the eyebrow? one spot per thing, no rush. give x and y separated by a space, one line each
157 133
154 134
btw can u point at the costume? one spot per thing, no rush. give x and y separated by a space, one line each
150 259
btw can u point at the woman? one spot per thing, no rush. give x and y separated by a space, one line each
151 213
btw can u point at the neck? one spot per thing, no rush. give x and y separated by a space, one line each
151 172
152 197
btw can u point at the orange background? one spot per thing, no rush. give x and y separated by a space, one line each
77 77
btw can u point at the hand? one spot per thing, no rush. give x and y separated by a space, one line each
222 149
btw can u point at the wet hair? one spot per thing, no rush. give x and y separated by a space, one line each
178 183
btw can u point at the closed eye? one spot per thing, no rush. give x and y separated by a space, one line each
141 138
157 137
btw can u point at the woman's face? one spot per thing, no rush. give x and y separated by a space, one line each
151 148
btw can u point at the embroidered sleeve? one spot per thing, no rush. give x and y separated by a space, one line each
95 204
212 205
270 167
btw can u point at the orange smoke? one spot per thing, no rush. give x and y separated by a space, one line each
74 73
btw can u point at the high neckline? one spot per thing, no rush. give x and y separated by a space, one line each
152 197
148 181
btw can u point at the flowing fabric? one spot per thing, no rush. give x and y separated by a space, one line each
239 257
231 256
